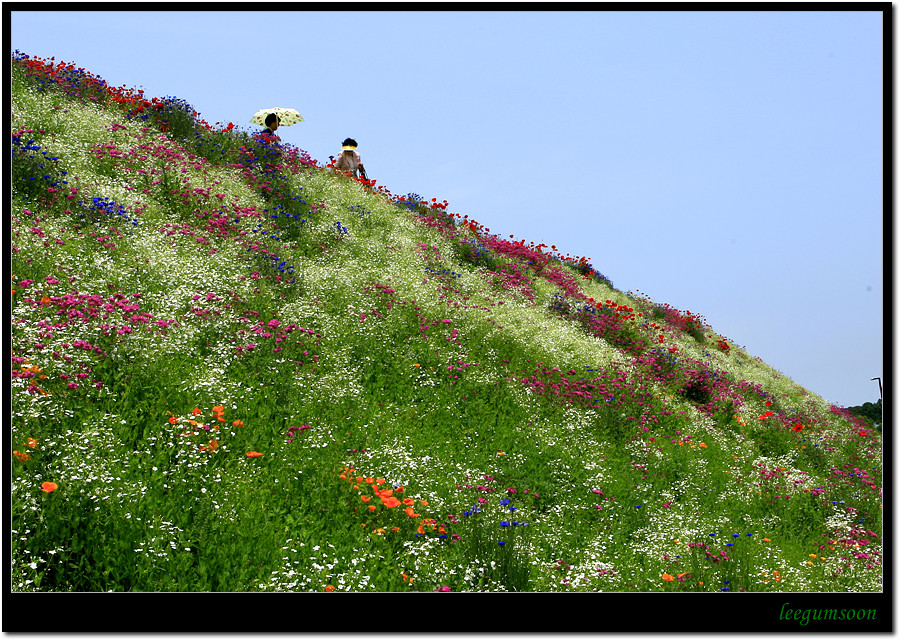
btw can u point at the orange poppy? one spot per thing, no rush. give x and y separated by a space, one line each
390 503
253 454
380 481
237 423
173 420
49 487
196 411
329 588
409 502
365 498
370 480
424 503
667 577
411 512
371 507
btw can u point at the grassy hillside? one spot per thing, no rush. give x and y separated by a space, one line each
233 370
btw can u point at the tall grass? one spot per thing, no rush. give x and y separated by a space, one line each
235 371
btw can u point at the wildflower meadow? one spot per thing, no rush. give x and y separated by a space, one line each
234 370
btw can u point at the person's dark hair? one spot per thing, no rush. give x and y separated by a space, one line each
270 119
349 142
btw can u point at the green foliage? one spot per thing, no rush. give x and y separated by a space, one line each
872 412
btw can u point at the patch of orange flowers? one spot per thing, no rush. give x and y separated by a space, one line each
23 456
389 499
198 427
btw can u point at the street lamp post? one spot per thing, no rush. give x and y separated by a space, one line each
880 394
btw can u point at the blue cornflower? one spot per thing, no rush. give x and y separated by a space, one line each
505 501
501 543
749 534
504 524
712 534
735 535
513 508
729 544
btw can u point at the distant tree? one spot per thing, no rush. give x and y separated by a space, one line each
871 412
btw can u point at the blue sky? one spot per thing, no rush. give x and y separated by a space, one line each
726 163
